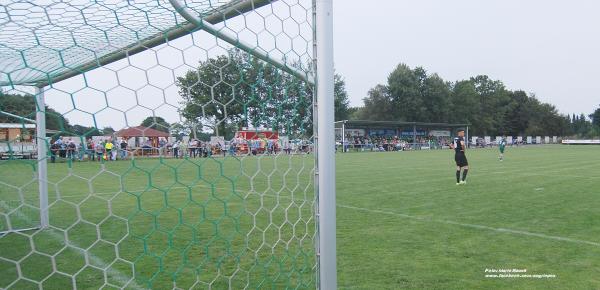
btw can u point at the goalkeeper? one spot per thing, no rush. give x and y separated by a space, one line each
461 159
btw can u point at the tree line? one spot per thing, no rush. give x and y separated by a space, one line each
486 104
227 92
24 105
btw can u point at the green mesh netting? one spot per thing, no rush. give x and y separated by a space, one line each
175 159
40 40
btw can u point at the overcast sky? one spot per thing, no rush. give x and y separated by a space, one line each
547 47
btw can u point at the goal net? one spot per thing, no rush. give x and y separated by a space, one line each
158 144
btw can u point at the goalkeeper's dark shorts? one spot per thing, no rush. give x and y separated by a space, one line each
461 159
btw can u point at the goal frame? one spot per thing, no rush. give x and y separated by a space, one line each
323 107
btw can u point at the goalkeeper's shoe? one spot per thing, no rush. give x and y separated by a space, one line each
462 182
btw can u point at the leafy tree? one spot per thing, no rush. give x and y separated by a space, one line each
517 115
212 92
181 129
404 94
492 105
410 95
596 120
355 113
108 131
465 105
436 94
378 105
485 104
25 106
583 127
157 123
86 131
237 90
342 104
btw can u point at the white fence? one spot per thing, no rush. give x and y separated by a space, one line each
581 142
17 150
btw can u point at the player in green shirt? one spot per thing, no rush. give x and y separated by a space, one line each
501 147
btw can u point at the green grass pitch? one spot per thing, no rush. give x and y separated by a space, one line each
201 223
402 222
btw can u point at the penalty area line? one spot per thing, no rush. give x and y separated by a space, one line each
474 226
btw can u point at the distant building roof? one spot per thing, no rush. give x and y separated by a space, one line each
16 126
141 131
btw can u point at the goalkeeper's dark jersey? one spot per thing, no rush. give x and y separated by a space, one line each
459 155
458 147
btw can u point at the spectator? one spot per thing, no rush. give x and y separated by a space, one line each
169 148
232 148
108 147
90 150
71 147
176 149
114 151
99 148
206 149
219 148
123 149
80 151
183 149
270 146
193 148
62 153
162 146
146 148
255 146
54 150
287 147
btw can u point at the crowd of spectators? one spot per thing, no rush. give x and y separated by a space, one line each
111 149
393 143
107 149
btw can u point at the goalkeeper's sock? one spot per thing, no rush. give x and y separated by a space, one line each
457 176
465 174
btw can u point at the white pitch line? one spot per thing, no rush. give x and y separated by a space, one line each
116 274
474 226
